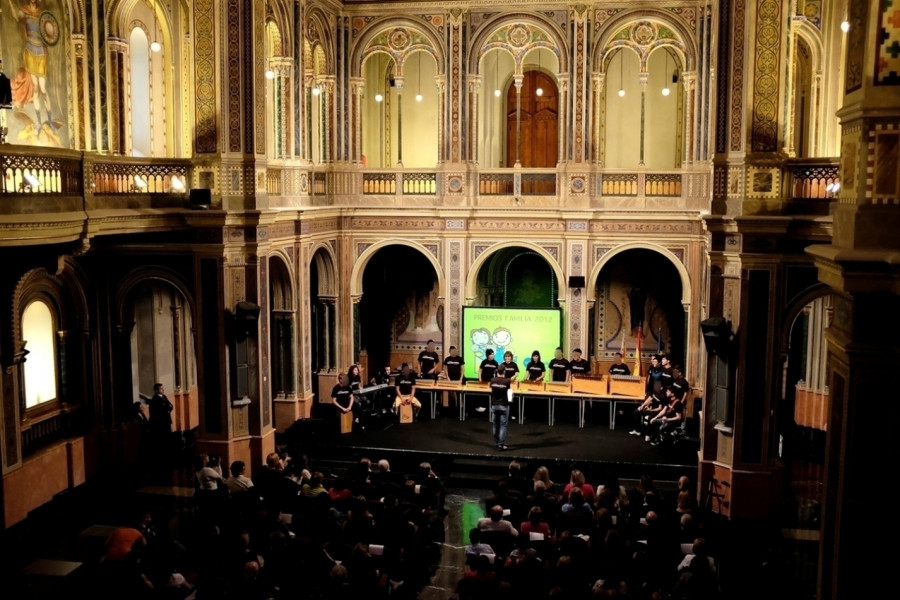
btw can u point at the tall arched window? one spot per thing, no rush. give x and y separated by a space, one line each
139 54
39 332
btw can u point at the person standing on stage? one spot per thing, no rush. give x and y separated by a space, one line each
428 362
405 387
559 367
508 367
342 394
619 368
500 401
536 368
579 366
354 378
453 371
160 429
486 371
667 376
654 376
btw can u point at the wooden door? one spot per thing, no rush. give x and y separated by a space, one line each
540 119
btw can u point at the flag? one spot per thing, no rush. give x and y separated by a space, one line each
637 352
659 341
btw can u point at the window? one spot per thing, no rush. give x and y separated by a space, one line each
39 332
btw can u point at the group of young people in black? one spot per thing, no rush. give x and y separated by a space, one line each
663 410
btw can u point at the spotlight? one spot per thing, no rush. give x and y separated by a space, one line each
33 182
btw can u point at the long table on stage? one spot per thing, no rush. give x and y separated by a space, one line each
581 390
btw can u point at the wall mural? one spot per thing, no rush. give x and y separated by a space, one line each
887 60
32 46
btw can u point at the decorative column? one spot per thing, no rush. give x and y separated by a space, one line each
473 96
562 132
328 99
398 84
440 83
457 149
691 132
580 82
357 87
643 79
599 81
517 81
118 137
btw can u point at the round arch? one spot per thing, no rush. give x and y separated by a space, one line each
679 267
284 266
326 269
362 49
793 309
478 263
359 267
141 275
318 34
480 45
681 29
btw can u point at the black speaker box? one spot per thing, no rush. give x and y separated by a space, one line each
201 197
576 281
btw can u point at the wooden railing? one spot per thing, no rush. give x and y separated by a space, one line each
813 178
51 172
127 175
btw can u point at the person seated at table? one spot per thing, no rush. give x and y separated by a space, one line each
559 367
536 368
354 378
619 367
579 366
405 387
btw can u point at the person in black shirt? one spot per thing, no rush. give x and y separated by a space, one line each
353 377
667 376
500 401
654 376
559 367
536 368
486 371
579 366
342 394
508 368
453 371
405 386
429 361
619 368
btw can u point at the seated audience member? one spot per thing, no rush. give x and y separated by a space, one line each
516 481
238 482
619 367
122 543
537 525
496 522
314 487
576 505
476 547
542 473
576 480
479 582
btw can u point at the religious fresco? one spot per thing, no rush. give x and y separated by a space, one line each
32 45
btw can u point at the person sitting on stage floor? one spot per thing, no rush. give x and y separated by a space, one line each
579 366
680 385
486 371
405 387
536 368
668 419
652 405
619 367
429 362
559 367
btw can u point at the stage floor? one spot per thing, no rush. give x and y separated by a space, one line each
447 437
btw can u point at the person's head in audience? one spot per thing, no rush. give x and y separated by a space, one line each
606 498
237 468
425 470
317 479
384 466
577 478
543 474
651 517
684 483
603 519
474 536
343 379
496 513
515 469
535 515
364 465
540 488
576 497
273 461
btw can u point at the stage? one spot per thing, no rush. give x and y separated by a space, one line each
448 441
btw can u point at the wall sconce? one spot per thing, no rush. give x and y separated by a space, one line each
176 185
270 72
30 183
140 184
316 89
832 189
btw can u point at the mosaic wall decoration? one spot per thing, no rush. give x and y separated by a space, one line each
737 77
602 15
38 68
883 164
205 129
723 51
233 70
887 54
453 298
811 10
856 44
764 135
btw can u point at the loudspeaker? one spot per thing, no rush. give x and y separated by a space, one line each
246 311
576 281
200 197
5 91
716 335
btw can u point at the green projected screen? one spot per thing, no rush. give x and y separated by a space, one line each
520 330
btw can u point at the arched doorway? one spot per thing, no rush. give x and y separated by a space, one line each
517 277
638 302
538 122
283 377
399 310
322 322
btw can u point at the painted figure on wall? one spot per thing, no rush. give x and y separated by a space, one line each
37 77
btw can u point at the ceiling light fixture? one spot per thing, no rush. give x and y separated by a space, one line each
665 90
155 46
419 85
539 91
497 91
621 68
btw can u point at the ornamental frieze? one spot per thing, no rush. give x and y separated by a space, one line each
477 225
670 227
375 223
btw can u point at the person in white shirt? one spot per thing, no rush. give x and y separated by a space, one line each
238 482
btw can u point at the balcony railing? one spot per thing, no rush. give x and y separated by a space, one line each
813 178
126 175
51 172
